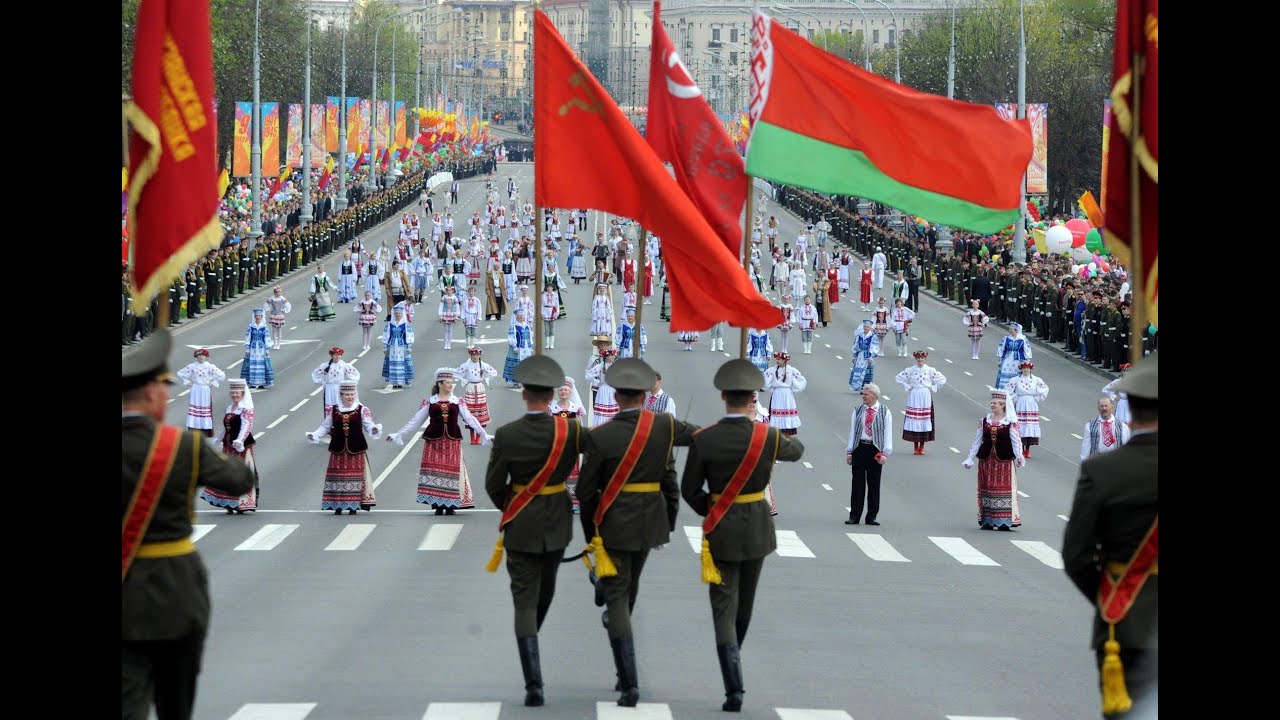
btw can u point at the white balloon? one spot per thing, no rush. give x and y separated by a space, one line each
1081 254
1093 266
1075 269
1057 239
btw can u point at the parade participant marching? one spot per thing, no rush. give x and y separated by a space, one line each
880 315
865 284
236 440
332 374
807 319
1121 402
321 305
348 479
997 448
784 382
256 368
201 375
866 346
374 271
470 316
918 419
900 321
759 348
729 467
529 469
367 315
442 475
475 375
688 338
868 449
784 327
420 270
1103 433
715 337
550 313
448 311
524 303
628 336
396 282
277 307
975 320
397 349
495 292
1027 392
519 344
602 311
568 404
843 270
604 404
629 503
878 264
347 272
1013 350
657 399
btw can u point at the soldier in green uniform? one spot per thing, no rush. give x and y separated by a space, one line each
164 593
530 459
725 476
629 503
211 282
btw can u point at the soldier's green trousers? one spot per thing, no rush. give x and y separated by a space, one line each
733 600
621 590
533 585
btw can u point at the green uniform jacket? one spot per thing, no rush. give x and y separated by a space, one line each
166 598
635 521
1117 499
520 449
746 531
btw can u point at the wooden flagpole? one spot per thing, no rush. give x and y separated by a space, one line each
1138 333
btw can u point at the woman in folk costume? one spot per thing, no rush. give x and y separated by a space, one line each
256 368
442 475
524 262
975 320
519 344
201 375
604 406
348 479
900 322
799 282
866 346
715 337
649 277
759 348
551 276
1120 400
475 374
865 285
602 311
277 307
630 339
448 311
779 271
688 337
1014 348
784 382
332 374
833 290
367 316
843 270
578 267
357 257
397 349
807 320
788 319
524 302
1027 392
880 316
459 267
567 404
920 383
373 274
347 273
997 450
508 267
321 304
236 439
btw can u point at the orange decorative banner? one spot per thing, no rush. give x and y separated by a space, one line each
331 125
243 143
402 133
354 136
270 139
293 147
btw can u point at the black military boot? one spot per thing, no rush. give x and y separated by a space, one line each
624 654
531 664
731 671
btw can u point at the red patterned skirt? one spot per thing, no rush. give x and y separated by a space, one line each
998 494
247 502
348 483
920 435
477 400
442 476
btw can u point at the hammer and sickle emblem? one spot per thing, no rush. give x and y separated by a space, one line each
591 104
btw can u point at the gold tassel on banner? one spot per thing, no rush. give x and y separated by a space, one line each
604 565
710 574
497 557
1115 697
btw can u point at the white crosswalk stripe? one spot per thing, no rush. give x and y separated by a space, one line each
351 537
876 547
693 534
199 531
267 538
463 711
273 711
1041 552
963 551
810 714
441 537
790 545
979 717
642 711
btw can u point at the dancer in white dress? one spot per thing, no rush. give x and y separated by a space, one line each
605 404
276 308
920 383
975 320
332 374
367 311
201 375
784 382
1026 392
900 322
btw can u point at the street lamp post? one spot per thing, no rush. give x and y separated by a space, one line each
341 203
371 184
897 44
1020 230
866 37
306 215
256 153
951 57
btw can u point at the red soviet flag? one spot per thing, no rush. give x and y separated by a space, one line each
684 131
572 113
173 170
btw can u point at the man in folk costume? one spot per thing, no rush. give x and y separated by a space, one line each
550 313
1121 402
657 399
396 283
807 320
529 466
865 285
729 468
920 383
348 479
1104 433
470 307
397 350
878 264
475 375
1026 392
975 320
420 272
495 289
869 447
629 500
332 374
447 227
900 319
628 336
901 290
1110 550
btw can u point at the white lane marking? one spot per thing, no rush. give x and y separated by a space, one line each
789 545
963 551
948 361
463 711
255 437
1022 494
351 537
317 391
362 353
876 547
273 711
885 397
827 344
354 360
642 711
1065 518
278 421
953 450
1046 419
399 456
1041 552
300 404
693 533
199 531
235 363
184 392
811 714
807 465
839 358
267 537
169 400
1076 436
295 327
827 487
966 372
441 537
928 348
979 717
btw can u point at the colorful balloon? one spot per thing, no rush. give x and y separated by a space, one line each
1079 228
1057 239
1093 240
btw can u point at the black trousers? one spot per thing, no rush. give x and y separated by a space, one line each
732 601
866 481
395 299
163 671
621 590
533 585
913 297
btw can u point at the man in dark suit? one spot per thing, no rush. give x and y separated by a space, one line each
1110 551
537 515
980 288
629 504
736 548
164 592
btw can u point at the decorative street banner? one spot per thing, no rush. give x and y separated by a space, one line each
354 137
317 136
331 124
293 147
1038 168
383 134
365 122
270 139
1106 144
401 138
241 146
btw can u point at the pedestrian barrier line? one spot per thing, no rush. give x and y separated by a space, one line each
963 551
273 711
642 711
199 531
278 420
441 537
300 404
876 547
351 537
267 537
1041 552
790 545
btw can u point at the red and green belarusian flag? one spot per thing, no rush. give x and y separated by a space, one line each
819 122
